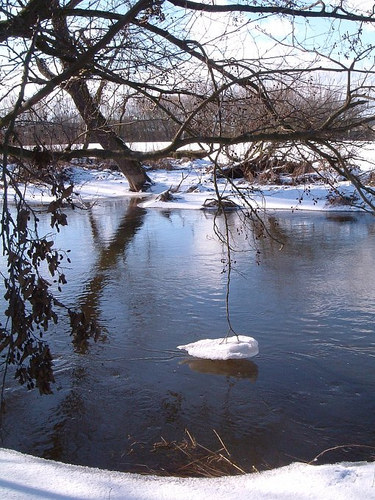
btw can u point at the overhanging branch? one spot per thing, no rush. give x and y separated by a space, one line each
333 13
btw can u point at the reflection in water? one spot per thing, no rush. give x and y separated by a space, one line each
154 283
72 407
338 217
107 256
172 405
238 368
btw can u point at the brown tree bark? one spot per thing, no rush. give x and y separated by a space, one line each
100 132
89 109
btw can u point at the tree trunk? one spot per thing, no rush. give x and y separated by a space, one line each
89 110
104 135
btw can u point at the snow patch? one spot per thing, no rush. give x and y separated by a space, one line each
240 347
23 477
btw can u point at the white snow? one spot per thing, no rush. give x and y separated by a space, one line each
23 477
240 347
26 477
190 185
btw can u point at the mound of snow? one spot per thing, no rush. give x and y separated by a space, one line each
240 347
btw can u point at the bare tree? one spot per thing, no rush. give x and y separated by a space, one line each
147 54
256 72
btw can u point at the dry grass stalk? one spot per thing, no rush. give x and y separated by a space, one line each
200 461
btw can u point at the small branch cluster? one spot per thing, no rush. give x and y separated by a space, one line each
34 268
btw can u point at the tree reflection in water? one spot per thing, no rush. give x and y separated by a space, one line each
108 255
72 409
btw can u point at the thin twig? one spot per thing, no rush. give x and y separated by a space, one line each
338 447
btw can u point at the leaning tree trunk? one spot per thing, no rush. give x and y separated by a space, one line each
100 132
89 109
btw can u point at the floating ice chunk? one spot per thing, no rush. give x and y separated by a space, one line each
240 347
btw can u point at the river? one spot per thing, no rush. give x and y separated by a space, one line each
157 279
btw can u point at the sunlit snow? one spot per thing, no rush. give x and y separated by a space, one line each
23 477
190 184
236 347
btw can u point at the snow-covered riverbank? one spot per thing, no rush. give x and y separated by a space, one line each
24 477
190 186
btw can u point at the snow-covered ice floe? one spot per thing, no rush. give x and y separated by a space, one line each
236 347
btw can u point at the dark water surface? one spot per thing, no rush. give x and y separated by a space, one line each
154 280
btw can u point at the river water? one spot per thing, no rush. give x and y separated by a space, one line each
155 280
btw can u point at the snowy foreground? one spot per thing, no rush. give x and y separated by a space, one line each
190 186
26 477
